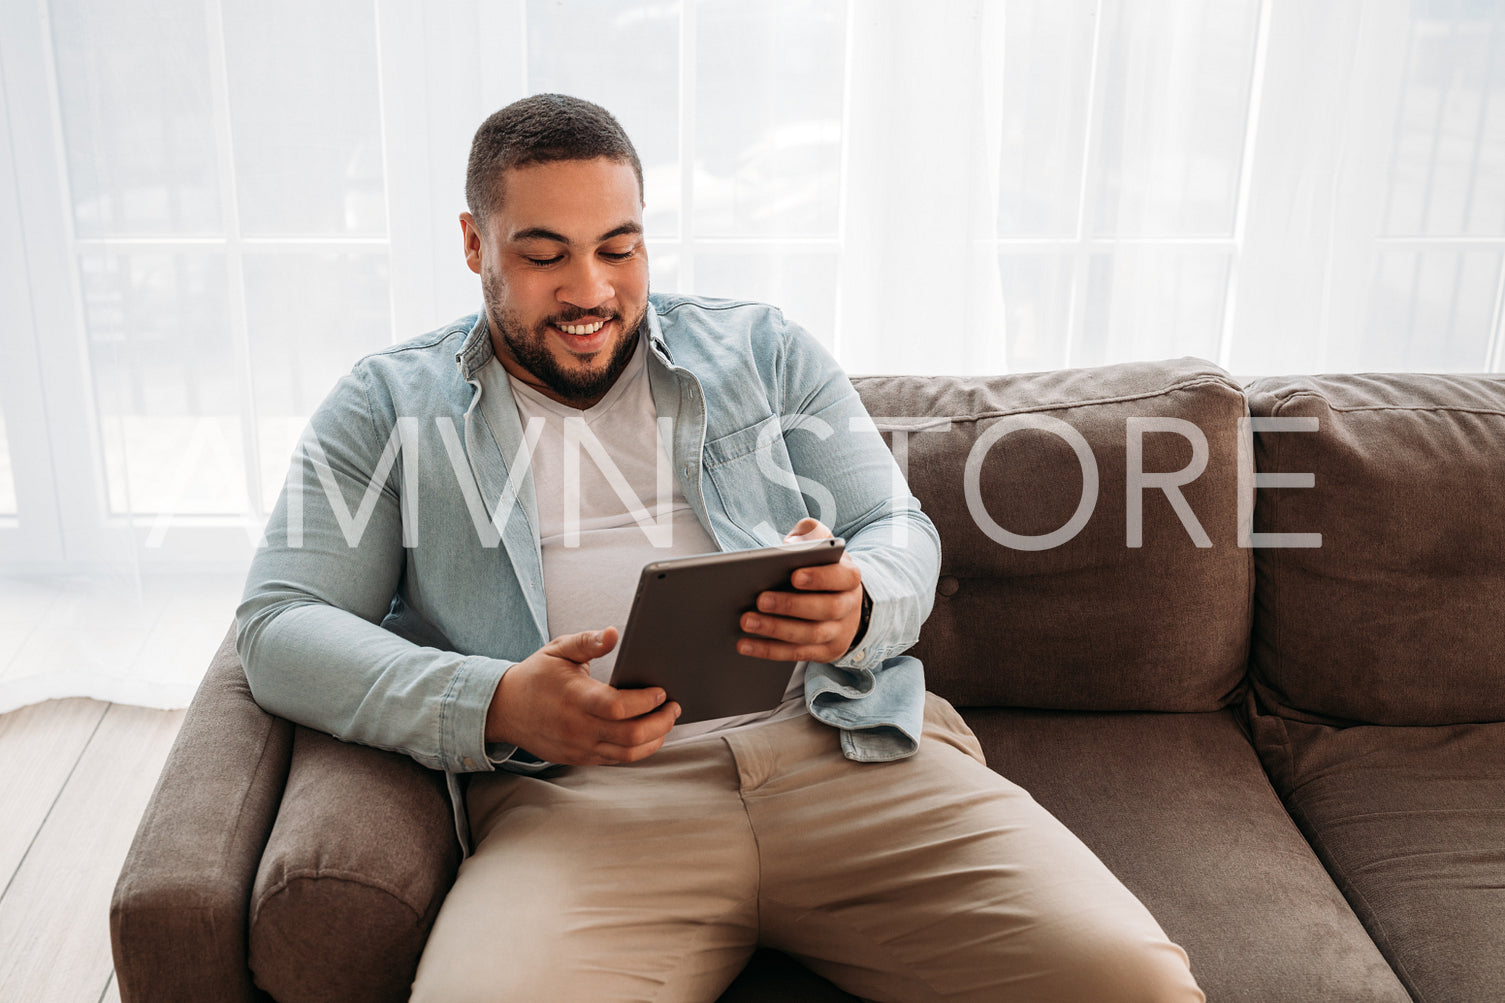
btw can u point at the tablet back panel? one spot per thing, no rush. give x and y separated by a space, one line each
683 630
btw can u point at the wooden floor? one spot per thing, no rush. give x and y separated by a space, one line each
75 776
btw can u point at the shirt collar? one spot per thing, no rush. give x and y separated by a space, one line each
475 351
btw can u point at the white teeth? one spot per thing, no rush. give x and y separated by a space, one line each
582 328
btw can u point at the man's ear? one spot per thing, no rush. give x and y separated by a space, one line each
470 230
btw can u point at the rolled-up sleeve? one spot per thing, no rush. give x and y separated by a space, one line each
308 628
892 541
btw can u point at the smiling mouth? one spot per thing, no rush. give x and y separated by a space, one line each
582 329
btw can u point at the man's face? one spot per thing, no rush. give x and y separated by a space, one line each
564 275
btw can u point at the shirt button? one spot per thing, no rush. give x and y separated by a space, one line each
470 764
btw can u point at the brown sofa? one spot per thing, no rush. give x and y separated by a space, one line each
1295 756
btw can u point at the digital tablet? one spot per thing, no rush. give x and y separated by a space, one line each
685 622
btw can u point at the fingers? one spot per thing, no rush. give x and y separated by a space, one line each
820 627
584 646
826 591
599 725
773 606
629 741
786 651
607 754
608 703
792 630
816 623
549 704
843 576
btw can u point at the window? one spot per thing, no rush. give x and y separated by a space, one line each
212 207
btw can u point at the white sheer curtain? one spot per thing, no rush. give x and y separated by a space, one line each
919 287
210 208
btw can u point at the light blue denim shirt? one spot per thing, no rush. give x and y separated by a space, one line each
401 576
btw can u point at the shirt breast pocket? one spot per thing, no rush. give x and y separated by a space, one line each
751 479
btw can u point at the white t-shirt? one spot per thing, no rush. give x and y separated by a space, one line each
608 503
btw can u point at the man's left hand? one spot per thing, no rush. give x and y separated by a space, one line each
818 621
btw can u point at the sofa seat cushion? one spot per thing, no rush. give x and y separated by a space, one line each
360 857
1395 618
1068 581
1411 823
1179 808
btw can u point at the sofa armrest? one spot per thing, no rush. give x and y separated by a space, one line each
359 861
178 915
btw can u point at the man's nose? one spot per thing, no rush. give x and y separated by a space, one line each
585 284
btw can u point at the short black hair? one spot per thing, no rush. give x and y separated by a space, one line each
541 129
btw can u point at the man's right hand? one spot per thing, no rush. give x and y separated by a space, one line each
549 704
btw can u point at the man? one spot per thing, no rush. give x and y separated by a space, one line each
465 613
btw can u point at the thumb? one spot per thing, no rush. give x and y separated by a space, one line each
585 645
807 528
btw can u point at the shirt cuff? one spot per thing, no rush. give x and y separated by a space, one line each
498 753
869 650
463 736
864 624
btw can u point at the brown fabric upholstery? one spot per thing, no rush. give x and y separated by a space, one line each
1092 624
1178 808
1411 824
1393 621
358 862
1396 618
178 915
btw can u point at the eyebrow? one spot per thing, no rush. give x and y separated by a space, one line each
543 233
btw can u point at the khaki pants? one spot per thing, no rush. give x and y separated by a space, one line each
931 878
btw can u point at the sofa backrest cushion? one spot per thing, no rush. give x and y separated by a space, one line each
1089 622
1399 616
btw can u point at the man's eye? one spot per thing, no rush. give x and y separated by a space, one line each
546 261
618 255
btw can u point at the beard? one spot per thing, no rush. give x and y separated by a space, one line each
579 386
